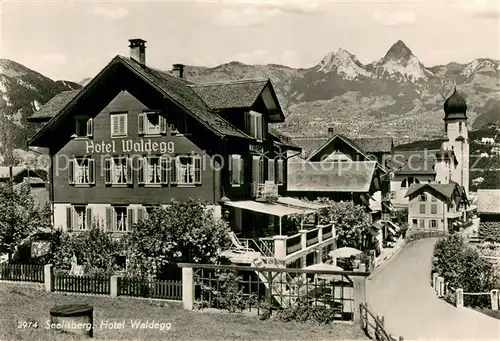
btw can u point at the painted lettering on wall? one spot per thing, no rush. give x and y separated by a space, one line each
129 146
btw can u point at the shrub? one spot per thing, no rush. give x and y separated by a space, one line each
302 312
489 231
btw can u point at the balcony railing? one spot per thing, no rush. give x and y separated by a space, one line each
266 191
293 243
309 237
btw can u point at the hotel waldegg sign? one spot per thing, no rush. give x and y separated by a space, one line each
129 146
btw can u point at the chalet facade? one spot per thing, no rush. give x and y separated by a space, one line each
136 137
436 206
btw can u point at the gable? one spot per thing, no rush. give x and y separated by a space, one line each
337 145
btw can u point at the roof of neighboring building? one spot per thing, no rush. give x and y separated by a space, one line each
197 100
413 161
233 94
330 176
52 107
446 190
488 201
35 173
365 144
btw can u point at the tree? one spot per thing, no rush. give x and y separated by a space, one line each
351 221
182 232
19 216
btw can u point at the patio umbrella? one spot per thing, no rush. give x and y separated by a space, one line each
344 252
325 267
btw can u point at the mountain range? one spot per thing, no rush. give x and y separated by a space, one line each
396 95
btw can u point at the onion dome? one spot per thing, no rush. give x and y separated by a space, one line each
455 107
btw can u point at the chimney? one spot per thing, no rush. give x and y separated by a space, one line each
138 50
330 132
178 70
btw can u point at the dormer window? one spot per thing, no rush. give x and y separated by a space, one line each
151 123
254 125
83 126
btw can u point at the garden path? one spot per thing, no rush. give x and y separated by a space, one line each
401 292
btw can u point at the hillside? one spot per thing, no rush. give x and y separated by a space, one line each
23 91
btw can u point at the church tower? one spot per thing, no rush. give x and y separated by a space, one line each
457 138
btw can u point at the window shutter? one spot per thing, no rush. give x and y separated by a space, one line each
69 218
71 171
140 214
141 171
141 123
108 170
279 171
130 173
258 122
90 127
173 171
253 125
91 171
114 125
248 125
255 171
130 218
88 217
261 170
122 125
270 170
242 172
197 169
234 167
109 219
164 170
163 124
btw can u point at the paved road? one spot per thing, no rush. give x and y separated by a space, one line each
402 293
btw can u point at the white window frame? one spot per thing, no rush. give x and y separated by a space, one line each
115 116
80 220
434 222
87 122
114 169
145 128
123 219
186 171
83 170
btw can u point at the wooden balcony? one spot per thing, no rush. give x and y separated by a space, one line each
267 191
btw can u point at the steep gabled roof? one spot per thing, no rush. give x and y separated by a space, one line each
230 94
175 89
331 176
446 190
53 106
309 144
374 144
410 162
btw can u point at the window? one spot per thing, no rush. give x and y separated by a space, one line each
422 208
236 170
433 223
118 171
446 127
433 208
151 123
409 181
118 125
271 170
187 170
261 171
415 223
81 171
120 218
255 173
78 218
279 171
84 126
254 124
153 170
422 197
422 223
460 127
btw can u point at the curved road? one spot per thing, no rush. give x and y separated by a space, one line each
401 292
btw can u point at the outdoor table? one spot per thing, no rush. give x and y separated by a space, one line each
73 318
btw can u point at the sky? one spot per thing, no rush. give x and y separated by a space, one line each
73 40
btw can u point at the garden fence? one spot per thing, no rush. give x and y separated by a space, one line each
96 285
138 287
21 273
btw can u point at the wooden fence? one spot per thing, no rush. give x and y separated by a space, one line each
96 285
373 325
138 287
21 273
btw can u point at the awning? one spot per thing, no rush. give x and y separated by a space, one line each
394 226
268 208
391 230
299 203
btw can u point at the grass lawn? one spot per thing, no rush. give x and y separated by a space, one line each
26 304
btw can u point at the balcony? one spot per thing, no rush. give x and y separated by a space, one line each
267 191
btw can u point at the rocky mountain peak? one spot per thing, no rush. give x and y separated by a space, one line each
344 63
398 51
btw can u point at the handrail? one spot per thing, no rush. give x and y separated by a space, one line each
381 333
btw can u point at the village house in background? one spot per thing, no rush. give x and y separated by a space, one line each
135 137
488 209
36 178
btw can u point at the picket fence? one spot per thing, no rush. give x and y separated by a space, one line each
58 281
